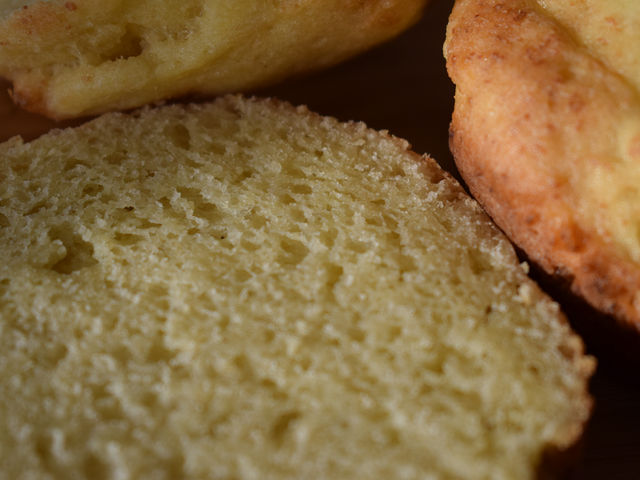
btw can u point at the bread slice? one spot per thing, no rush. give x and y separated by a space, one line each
84 57
546 133
248 290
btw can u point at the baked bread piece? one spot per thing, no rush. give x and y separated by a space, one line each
249 290
84 57
546 132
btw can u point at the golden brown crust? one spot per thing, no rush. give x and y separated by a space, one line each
527 98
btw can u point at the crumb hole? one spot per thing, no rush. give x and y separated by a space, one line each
244 367
391 223
356 334
223 323
305 364
159 353
269 335
406 263
334 272
446 224
115 158
208 211
356 246
95 468
301 189
249 247
92 190
293 171
298 216
79 254
129 45
276 393
122 354
72 163
425 389
4 221
179 135
55 354
201 207
4 284
328 238
397 171
245 174
127 239
145 224
19 167
194 12
165 203
218 234
283 425
216 149
393 332
242 275
287 199
479 262
256 220
43 450
293 252
393 238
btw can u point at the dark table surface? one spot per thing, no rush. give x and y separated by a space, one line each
403 87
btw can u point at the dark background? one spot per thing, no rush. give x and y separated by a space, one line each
403 87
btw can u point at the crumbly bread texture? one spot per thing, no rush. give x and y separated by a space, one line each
246 290
546 133
84 57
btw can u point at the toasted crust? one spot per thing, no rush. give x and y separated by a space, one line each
71 59
533 112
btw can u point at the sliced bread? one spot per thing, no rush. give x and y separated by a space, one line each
85 57
247 290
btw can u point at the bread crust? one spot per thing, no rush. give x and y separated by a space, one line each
528 99
72 59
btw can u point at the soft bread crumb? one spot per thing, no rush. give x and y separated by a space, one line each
245 290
